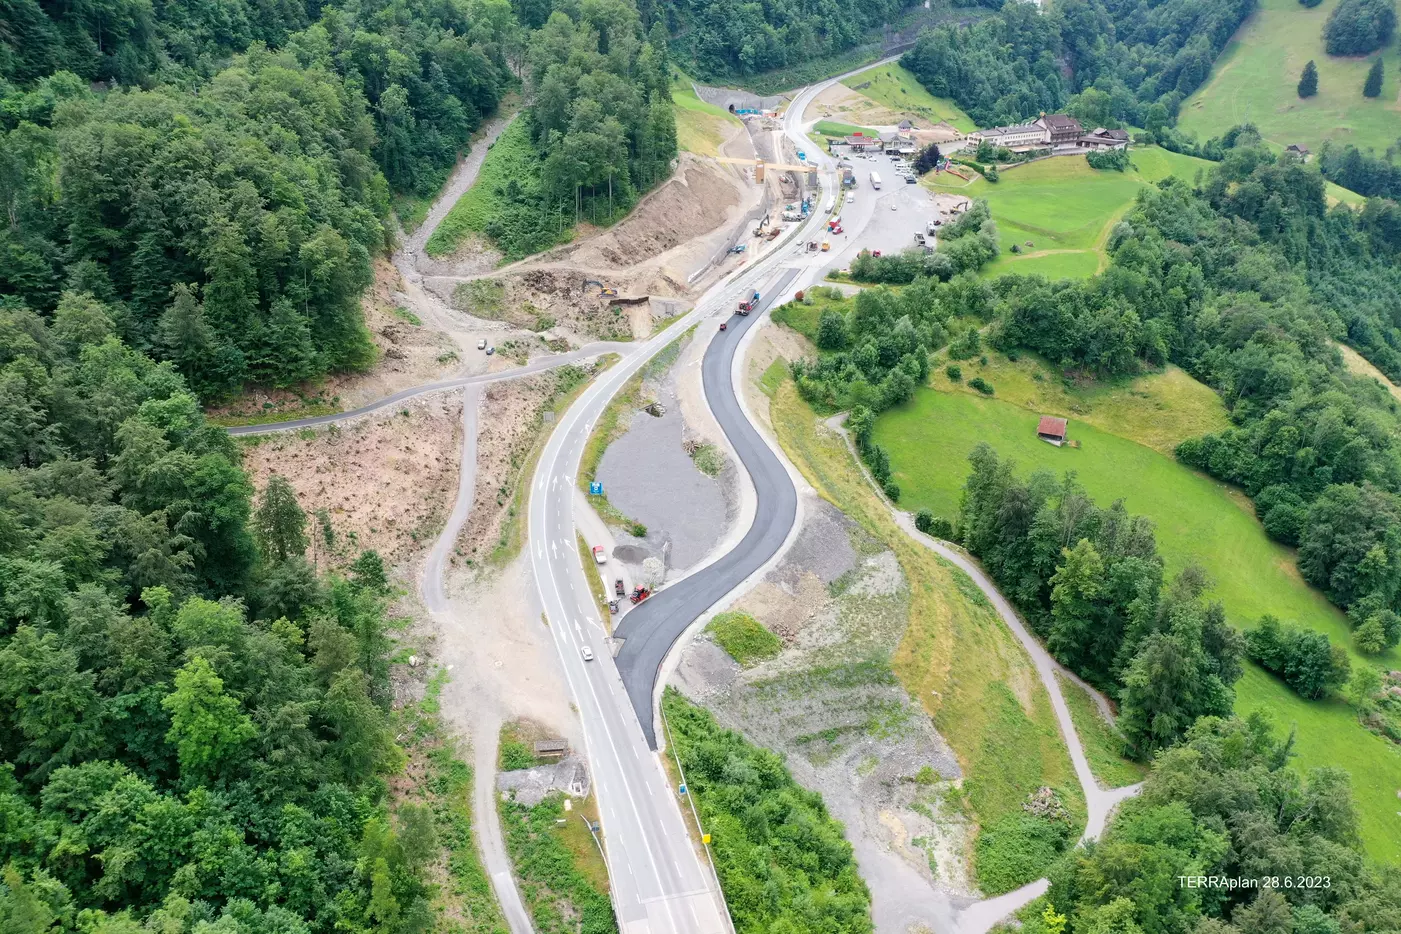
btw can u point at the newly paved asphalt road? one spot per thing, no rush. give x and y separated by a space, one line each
649 629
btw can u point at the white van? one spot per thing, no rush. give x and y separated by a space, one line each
851 197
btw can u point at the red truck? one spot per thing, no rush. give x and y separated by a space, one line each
746 307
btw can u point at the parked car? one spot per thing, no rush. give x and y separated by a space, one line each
490 351
481 344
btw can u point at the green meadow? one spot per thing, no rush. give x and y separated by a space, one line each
1198 519
1059 212
897 89
701 128
1255 81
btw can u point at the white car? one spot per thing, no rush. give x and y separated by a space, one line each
850 198
587 653
481 344
892 207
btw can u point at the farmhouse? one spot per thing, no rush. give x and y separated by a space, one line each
1296 150
1100 138
1060 129
1051 429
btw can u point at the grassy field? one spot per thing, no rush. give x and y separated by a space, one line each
744 637
1102 742
1158 410
512 156
1255 81
834 128
956 658
897 89
1197 519
1064 208
700 127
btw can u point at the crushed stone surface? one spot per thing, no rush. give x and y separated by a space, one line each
531 786
831 704
649 477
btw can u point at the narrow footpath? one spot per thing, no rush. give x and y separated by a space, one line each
486 725
980 917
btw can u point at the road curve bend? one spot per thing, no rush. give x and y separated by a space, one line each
648 631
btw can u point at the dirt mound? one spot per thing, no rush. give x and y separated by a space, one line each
695 201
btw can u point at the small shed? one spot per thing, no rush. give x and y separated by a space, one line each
1051 429
551 748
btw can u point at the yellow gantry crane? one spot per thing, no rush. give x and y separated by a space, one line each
760 165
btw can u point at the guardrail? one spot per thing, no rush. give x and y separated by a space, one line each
690 799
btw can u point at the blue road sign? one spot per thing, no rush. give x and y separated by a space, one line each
595 488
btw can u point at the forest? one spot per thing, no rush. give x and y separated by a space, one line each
224 187
1245 283
1106 61
718 39
1225 803
194 721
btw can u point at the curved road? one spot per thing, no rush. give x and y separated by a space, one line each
648 631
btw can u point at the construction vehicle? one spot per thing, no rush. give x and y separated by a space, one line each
812 246
773 233
608 293
919 238
639 594
618 587
739 248
826 246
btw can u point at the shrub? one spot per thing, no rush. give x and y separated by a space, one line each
1017 849
1112 160
954 372
982 385
1305 659
1372 87
934 526
892 489
515 755
744 637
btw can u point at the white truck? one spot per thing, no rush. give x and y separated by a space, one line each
875 180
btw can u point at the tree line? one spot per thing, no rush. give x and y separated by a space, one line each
1225 803
1106 61
194 722
226 214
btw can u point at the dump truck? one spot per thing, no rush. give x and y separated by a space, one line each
745 307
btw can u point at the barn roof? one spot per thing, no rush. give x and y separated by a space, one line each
1050 425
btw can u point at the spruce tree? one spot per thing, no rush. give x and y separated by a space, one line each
1372 87
279 521
1308 81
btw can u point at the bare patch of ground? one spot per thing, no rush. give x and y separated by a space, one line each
832 705
382 482
1361 366
512 420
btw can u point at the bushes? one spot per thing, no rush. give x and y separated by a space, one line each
1357 27
1113 160
744 637
782 860
954 372
1017 849
560 897
982 385
1306 660
932 525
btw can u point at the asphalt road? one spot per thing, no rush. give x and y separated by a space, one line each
658 880
649 630
481 379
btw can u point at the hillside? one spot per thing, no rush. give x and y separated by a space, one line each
1254 81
